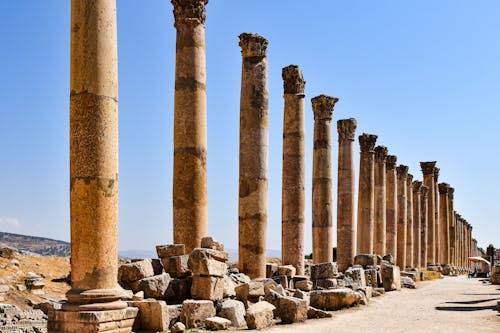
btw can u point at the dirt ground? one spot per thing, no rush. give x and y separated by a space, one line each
453 304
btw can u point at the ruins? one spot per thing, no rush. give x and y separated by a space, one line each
404 228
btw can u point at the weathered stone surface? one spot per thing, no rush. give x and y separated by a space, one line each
200 263
135 271
495 274
391 278
313 313
411 275
211 243
304 285
217 323
157 266
281 280
286 270
233 311
179 290
260 315
251 291
407 282
366 260
178 266
326 283
194 312
152 316
171 250
389 258
371 277
156 286
201 253
174 313
228 287
7 253
292 310
178 328
207 287
376 292
302 295
333 299
271 269
327 270
358 276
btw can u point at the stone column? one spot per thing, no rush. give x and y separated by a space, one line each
190 207
424 225
402 171
391 205
380 204
461 241
444 224
346 195
437 223
254 145
294 170
409 221
457 240
93 173
366 193
428 172
417 188
322 179
451 220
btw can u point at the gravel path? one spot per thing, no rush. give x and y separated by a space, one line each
453 304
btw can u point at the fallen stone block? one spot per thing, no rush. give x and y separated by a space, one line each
178 328
389 258
391 277
207 287
495 275
178 266
217 323
195 312
251 291
271 269
179 290
211 243
407 282
327 270
152 316
135 271
357 275
304 285
371 277
411 275
333 299
302 295
260 315
228 287
287 270
378 292
234 311
313 313
204 265
366 260
431 275
174 313
157 266
326 283
172 250
281 280
292 310
155 286
209 253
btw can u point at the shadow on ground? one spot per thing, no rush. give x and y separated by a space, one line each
466 308
473 302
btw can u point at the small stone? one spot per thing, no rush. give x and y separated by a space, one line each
217 323
304 285
378 292
194 312
407 282
135 271
207 287
178 328
287 270
233 311
14 262
327 270
334 299
260 315
5 288
7 253
211 243
174 313
313 313
292 310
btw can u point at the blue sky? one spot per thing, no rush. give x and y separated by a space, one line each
422 75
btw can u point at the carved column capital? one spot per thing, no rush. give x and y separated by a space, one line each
346 129
451 191
428 167
367 142
189 11
253 45
436 174
402 171
417 186
390 162
443 188
322 106
293 81
409 180
424 190
380 154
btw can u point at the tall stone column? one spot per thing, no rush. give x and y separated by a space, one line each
424 225
95 293
346 195
428 172
366 193
457 240
417 189
254 146
402 171
190 205
380 204
391 225
409 221
444 223
294 169
322 237
451 219
437 222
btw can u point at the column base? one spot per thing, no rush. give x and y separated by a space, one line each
110 321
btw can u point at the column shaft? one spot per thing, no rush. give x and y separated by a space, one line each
451 220
391 205
409 222
444 224
428 172
402 172
254 144
322 179
417 188
437 222
346 200
294 170
424 225
379 241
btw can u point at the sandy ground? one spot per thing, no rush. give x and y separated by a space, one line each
453 304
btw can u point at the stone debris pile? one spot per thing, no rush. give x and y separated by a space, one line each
15 320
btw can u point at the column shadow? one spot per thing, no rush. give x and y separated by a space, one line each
473 302
465 308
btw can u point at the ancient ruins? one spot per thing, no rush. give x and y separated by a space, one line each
406 230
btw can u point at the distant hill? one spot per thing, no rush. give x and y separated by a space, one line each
35 245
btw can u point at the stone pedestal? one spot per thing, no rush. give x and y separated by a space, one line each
294 170
417 188
444 224
402 172
322 179
346 199
428 172
409 221
437 222
424 225
112 321
391 205
379 241
366 193
254 146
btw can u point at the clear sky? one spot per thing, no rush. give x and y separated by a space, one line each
423 75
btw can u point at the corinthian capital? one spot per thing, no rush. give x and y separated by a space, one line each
436 174
424 191
409 180
428 167
367 142
189 10
417 186
293 81
380 154
322 106
402 171
346 129
443 188
253 45
390 162
451 191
